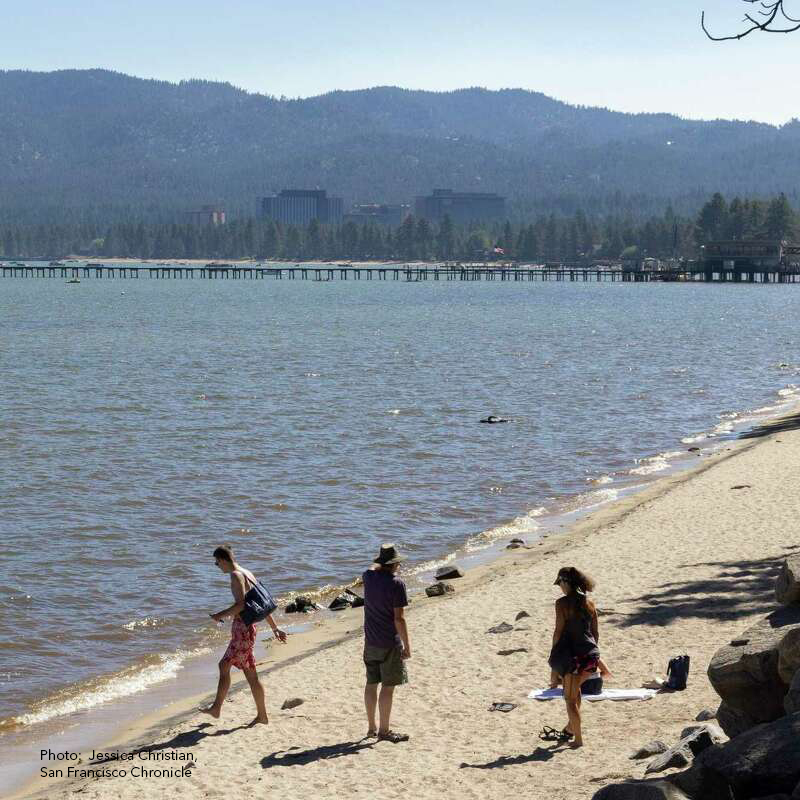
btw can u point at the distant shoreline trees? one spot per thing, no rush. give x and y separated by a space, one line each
546 238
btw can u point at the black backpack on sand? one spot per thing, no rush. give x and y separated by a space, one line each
678 673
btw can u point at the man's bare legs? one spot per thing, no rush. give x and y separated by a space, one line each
382 703
224 685
385 708
258 695
371 704
222 690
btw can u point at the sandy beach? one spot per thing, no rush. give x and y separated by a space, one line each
681 567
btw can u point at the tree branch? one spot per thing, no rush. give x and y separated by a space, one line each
771 11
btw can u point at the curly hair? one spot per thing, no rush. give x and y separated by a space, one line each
580 584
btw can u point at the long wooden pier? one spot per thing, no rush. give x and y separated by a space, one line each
394 272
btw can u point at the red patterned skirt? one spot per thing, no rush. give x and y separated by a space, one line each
240 650
585 664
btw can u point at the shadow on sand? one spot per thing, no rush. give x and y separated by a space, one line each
189 739
781 425
738 590
290 758
538 755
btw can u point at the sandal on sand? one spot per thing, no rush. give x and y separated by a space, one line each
393 737
548 734
502 707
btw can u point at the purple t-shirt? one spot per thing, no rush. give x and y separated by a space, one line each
383 593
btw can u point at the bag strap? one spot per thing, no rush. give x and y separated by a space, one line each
248 581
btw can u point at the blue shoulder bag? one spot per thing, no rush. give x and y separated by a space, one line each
258 604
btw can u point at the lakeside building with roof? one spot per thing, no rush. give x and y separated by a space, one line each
301 206
461 207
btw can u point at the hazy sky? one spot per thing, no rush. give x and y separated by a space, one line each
632 56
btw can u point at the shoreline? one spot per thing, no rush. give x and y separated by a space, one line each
336 633
316 630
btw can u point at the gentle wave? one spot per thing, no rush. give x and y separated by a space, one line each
146 622
659 463
130 681
524 524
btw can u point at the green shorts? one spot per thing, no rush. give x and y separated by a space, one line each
385 665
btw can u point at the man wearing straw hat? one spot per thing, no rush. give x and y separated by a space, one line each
386 644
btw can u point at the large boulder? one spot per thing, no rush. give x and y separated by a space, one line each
762 761
640 790
792 700
693 782
733 721
775 797
787 587
789 655
745 673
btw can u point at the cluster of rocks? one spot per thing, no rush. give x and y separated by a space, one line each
443 574
303 605
517 544
347 599
757 676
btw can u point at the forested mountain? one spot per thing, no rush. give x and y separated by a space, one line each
98 146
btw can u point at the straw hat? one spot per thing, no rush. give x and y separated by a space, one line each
389 555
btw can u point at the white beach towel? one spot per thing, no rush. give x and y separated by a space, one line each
606 694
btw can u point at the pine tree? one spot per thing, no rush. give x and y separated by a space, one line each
314 239
780 219
712 221
405 239
445 239
423 238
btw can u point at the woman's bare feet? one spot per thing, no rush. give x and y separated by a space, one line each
575 744
260 721
211 711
